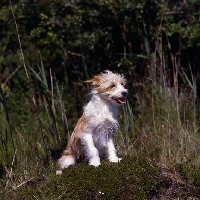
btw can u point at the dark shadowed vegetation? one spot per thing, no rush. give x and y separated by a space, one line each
47 50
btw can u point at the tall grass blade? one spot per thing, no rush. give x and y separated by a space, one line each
37 76
2 100
55 130
146 42
41 126
42 71
187 79
64 117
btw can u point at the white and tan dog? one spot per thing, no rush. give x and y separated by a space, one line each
92 137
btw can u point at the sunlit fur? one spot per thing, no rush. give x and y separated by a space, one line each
92 137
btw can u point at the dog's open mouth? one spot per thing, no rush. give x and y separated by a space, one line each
121 100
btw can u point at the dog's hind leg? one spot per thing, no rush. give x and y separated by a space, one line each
64 162
67 159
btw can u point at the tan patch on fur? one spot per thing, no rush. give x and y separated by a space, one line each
74 146
95 81
104 80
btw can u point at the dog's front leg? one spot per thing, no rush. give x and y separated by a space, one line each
90 150
111 152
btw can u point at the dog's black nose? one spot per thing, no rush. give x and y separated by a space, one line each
124 93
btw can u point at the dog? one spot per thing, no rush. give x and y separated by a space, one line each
92 137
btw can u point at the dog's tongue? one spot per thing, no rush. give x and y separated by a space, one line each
121 100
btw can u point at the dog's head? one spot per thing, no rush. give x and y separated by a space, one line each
110 86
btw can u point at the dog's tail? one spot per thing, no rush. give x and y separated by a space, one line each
67 159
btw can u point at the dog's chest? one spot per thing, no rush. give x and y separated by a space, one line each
103 132
102 119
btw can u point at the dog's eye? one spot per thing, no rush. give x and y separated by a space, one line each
112 86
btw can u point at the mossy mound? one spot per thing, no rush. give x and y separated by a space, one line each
130 179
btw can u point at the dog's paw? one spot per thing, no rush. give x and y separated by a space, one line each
95 162
119 159
114 159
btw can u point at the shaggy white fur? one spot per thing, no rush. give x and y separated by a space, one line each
92 137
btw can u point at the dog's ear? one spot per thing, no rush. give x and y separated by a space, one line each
95 81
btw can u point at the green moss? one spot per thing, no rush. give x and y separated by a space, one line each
131 179
192 176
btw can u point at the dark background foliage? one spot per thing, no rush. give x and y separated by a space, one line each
77 39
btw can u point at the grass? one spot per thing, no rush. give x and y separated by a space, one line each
160 158
158 141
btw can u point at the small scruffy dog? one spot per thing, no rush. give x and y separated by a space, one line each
92 137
